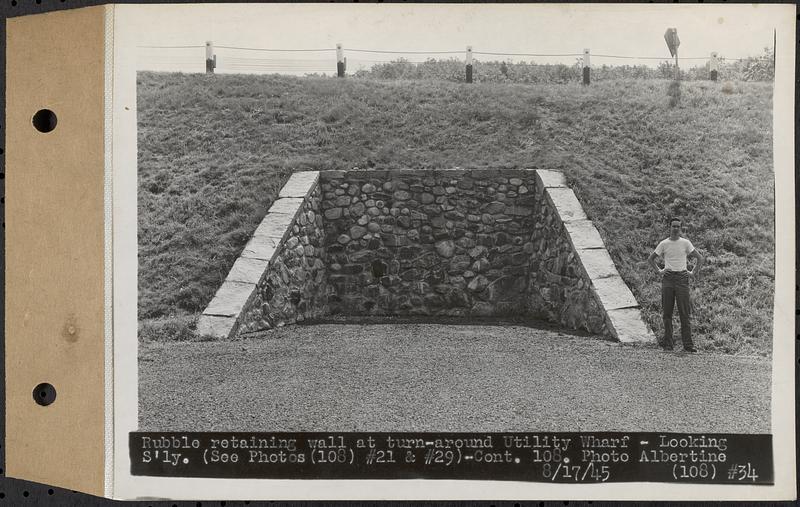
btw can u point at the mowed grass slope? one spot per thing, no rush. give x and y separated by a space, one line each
214 150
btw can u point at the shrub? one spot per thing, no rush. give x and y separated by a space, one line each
750 69
727 87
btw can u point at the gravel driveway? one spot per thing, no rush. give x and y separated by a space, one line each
431 377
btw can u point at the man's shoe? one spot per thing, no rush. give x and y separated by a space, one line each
690 349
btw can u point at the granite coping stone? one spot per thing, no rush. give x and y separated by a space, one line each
287 205
384 174
331 174
247 269
597 263
628 326
551 179
613 293
218 327
230 298
584 234
274 226
261 247
399 173
506 173
566 203
300 184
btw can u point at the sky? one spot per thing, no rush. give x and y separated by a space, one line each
733 31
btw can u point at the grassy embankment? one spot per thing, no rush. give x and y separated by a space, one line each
214 150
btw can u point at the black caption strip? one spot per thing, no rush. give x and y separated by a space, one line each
540 457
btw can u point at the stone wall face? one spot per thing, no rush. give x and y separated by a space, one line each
558 289
439 243
293 287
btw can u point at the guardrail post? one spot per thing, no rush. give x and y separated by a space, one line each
211 58
586 67
469 64
713 67
340 61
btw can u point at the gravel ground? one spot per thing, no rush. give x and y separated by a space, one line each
429 377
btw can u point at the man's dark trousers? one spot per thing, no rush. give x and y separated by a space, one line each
675 287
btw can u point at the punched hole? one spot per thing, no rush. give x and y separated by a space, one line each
44 120
44 394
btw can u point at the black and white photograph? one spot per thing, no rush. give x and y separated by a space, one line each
456 218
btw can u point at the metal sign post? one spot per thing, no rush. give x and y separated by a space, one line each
671 36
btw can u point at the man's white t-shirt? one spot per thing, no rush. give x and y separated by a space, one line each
674 253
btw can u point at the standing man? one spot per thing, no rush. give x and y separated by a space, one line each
675 282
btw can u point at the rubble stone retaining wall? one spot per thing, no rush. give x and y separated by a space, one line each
455 243
441 243
592 279
279 278
558 289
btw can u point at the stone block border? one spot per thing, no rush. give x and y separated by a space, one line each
623 314
459 243
275 239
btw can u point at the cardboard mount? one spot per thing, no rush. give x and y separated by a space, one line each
54 328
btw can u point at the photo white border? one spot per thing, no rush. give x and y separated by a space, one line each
125 344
